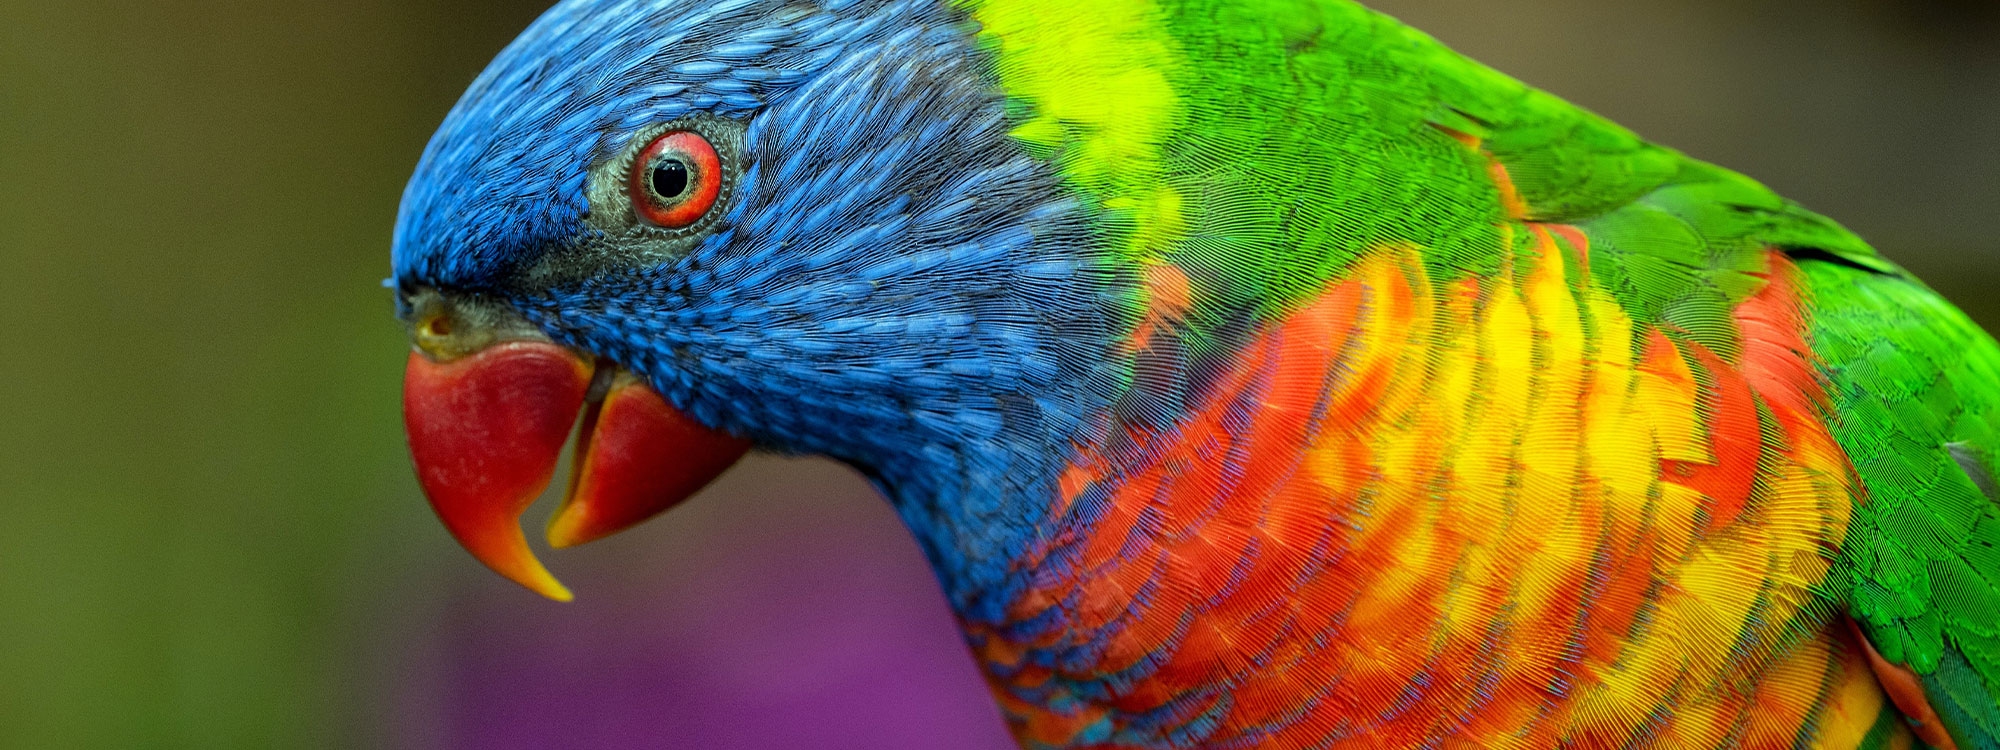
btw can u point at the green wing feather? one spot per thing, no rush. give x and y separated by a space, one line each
1916 390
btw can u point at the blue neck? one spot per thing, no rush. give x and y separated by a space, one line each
977 509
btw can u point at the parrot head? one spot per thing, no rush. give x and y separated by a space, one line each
710 224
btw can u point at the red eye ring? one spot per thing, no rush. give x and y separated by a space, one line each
681 161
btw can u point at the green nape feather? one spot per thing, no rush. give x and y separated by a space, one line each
1313 131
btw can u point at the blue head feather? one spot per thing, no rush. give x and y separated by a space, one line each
893 281
503 180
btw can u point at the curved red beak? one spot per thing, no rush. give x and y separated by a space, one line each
486 430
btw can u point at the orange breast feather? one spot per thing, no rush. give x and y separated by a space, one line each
1482 512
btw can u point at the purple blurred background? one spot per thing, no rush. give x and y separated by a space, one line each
784 608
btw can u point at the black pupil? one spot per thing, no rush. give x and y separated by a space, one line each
670 179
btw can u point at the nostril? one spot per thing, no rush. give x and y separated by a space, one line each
438 327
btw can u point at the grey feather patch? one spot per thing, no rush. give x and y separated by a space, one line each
1968 460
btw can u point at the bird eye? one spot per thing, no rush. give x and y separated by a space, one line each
676 180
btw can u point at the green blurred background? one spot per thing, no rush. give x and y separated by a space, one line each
212 539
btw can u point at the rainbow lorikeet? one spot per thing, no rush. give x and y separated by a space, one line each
1252 372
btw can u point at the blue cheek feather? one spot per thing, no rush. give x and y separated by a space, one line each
893 282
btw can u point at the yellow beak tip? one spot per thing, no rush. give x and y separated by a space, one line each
563 529
552 589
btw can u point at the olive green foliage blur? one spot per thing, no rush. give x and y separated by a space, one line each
200 449
201 462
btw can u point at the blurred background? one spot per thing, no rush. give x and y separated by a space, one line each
212 538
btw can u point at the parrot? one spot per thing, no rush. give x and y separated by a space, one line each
1250 373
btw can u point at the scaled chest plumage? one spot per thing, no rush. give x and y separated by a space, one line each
1488 512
